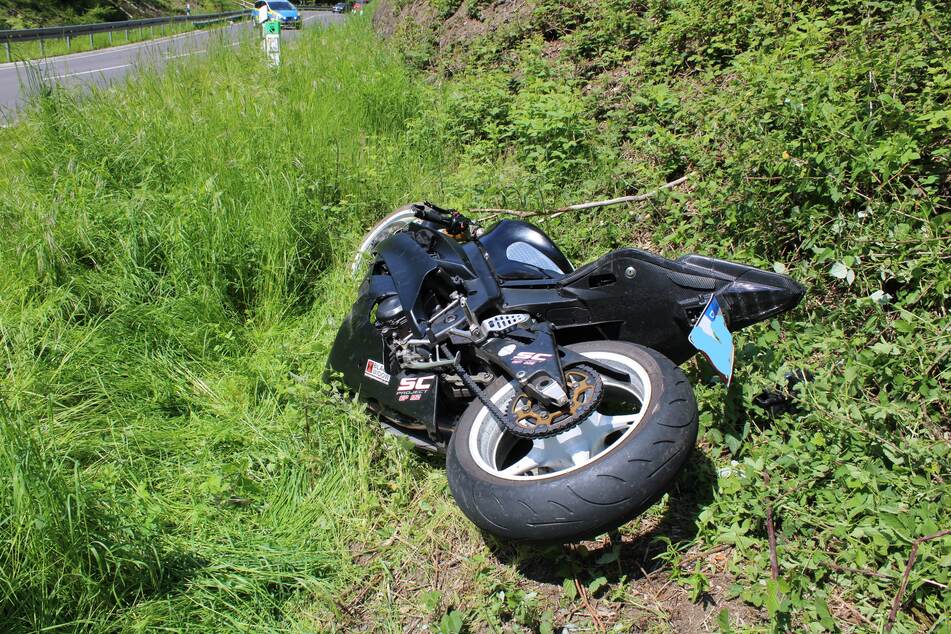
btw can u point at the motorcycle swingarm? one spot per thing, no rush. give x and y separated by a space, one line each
532 358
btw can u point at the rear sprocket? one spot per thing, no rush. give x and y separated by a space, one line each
525 417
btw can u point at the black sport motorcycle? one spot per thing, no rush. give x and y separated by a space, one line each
554 390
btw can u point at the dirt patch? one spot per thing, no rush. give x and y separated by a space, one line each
641 592
449 38
436 562
466 25
387 20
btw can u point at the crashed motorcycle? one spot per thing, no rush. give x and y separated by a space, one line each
553 390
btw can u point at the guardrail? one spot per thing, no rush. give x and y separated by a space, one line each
70 31
212 20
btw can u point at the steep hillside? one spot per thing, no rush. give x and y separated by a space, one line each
816 137
174 267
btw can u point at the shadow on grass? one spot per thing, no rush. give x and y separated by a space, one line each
633 558
179 569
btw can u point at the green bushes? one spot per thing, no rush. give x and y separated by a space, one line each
542 119
816 137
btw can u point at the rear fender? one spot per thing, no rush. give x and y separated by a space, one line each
655 302
649 300
752 295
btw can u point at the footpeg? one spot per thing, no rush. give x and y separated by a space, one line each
501 324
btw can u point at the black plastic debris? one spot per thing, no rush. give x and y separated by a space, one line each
782 400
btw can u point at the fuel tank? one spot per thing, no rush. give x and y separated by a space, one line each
518 250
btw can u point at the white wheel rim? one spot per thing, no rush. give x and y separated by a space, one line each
386 227
492 449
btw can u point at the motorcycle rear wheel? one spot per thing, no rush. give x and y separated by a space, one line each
589 479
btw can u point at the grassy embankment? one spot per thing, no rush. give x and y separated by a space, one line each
163 284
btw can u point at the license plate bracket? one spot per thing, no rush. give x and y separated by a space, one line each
714 340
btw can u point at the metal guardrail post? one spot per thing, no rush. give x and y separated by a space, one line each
110 38
68 47
6 45
91 43
42 48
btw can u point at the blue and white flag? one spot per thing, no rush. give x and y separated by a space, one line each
711 337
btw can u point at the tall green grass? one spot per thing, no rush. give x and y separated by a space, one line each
167 456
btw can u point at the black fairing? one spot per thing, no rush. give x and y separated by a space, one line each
359 342
639 297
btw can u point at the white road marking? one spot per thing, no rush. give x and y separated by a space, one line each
95 70
48 67
102 70
201 50
46 61
107 50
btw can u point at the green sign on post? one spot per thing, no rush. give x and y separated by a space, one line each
272 41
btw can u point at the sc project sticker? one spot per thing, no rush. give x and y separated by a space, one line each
412 388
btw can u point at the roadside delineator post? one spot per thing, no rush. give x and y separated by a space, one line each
272 41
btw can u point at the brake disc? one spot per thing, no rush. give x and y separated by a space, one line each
527 418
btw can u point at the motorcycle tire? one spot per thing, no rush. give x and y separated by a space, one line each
568 496
382 230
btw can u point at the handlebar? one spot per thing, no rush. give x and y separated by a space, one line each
427 213
451 220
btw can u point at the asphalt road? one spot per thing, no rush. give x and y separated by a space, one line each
109 64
